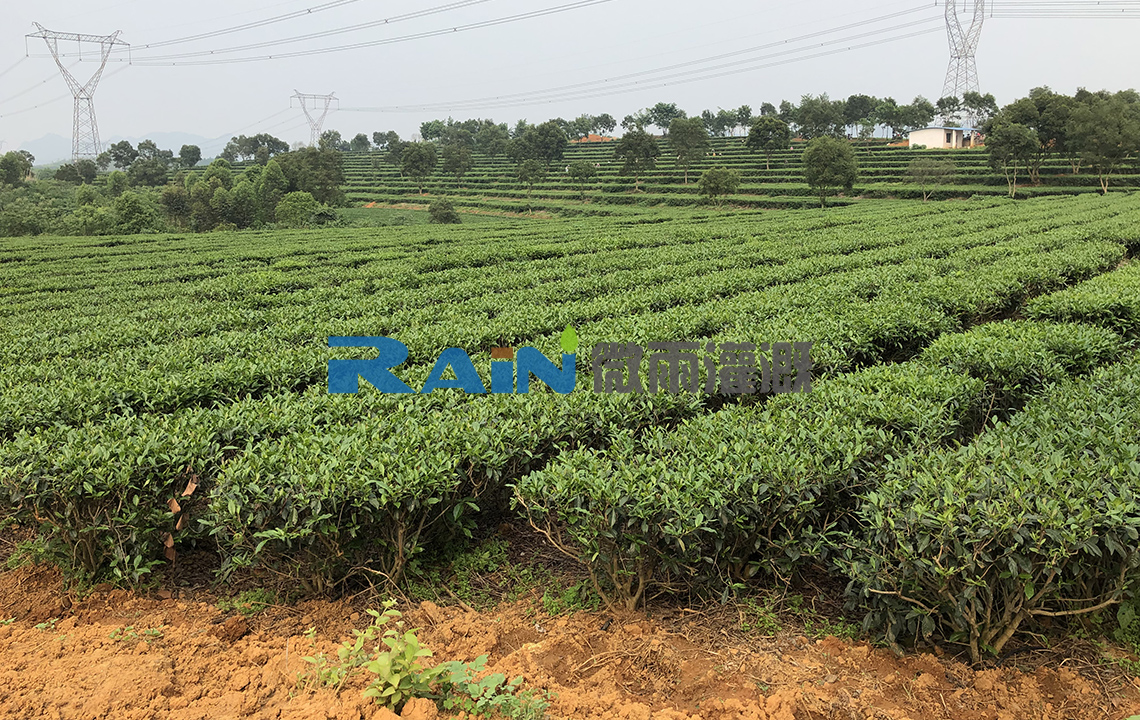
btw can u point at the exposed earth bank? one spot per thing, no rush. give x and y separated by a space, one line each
116 654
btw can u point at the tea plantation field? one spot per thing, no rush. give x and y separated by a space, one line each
967 462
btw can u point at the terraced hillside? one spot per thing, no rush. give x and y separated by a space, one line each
882 174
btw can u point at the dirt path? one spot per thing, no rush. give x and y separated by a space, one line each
118 655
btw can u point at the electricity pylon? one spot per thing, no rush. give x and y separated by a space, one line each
962 73
85 131
316 122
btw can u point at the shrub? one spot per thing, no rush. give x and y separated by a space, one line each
716 183
296 210
443 212
974 543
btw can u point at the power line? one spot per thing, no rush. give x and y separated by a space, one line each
14 66
27 90
387 41
321 34
622 82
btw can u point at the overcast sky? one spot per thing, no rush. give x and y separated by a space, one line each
574 56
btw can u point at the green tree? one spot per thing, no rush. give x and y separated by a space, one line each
604 124
122 154
15 167
767 135
857 109
175 201
919 114
1106 132
418 161
317 171
638 152
103 160
530 171
926 171
820 117
1010 146
718 183
134 213
243 205
662 115
743 118
492 139
950 110
68 174
221 170
545 143
441 211
331 140
360 143
829 164
149 172
432 129
979 107
296 210
116 183
189 156
581 172
689 139
271 187
457 160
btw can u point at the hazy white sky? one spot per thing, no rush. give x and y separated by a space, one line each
593 49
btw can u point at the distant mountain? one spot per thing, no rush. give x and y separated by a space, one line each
53 149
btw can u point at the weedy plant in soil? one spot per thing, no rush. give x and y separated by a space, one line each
397 666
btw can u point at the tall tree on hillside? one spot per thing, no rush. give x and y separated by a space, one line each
662 115
189 156
858 108
979 107
767 135
530 171
950 110
545 143
743 118
767 109
432 129
926 171
820 117
1010 147
457 160
418 161
359 143
581 172
1106 132
604 124
638 152
688 138
492 139
829 164
15 167
123 154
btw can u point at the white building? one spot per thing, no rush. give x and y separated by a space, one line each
944 137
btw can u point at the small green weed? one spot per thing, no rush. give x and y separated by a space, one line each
579 596
759 615
248 602
47 625
396 661
128 634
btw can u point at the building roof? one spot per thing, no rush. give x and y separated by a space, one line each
940 127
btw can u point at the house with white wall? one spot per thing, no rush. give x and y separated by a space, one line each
944 137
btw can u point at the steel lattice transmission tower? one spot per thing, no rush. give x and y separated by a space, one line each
962 73
85 132
315 121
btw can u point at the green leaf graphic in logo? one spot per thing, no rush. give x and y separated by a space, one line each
569 341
